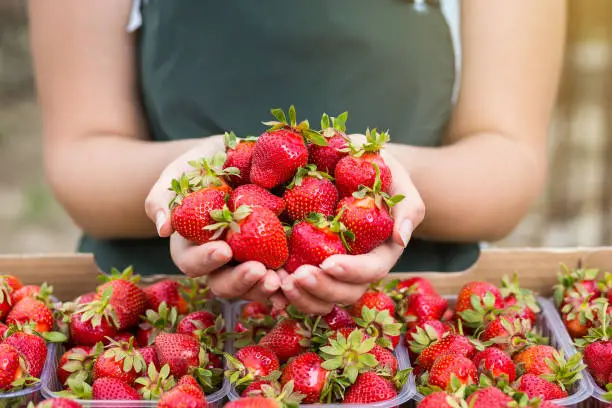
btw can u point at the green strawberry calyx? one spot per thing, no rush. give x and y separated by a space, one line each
602 331
309 170
379 196
380 325
5 293
155 383
231 141
483 310
524 297
226 219
125 352
564 372
162 320
423 338
209 171
302 128
115 274
78 387
334 125
351 355
375 141
99 309
332 224
286 397
568 278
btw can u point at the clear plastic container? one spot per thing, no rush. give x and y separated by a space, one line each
549 325
51 385
405 394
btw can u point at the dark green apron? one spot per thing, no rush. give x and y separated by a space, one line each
210 66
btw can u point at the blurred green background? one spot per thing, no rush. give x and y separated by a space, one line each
575 209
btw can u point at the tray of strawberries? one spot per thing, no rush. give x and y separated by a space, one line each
351 357
582 300
490 346
26 324
139 347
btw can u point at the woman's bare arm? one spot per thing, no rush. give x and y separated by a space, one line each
96 159
483 182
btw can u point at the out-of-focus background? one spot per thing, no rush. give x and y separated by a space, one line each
575 209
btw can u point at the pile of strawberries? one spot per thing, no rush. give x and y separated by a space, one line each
485 351
583 301
292 196
26 323
346 356
162 342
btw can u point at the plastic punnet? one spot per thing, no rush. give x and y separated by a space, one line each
403 396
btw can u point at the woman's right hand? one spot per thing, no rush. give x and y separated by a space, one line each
249 280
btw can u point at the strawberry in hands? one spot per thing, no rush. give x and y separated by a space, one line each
327 157
280 151
239 156
311 191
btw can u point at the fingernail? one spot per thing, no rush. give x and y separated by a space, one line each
331 267
256 274
305 277
288 285
219 255
406 231
160 219
270 285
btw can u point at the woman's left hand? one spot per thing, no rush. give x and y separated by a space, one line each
342 279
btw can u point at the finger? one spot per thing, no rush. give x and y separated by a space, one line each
321 286
366 268
198 260
156 203
409 212
264 288
304 302
229 283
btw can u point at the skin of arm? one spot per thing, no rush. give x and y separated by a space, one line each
494 164
96 159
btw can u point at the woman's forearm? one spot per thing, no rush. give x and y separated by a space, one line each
102 181
478 188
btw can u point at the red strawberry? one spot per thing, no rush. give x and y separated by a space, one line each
311 191
204 326
339 318
380 325
12 366
423 334
167 291
253 195
368 388
412 286
119 361
420 308
287 339
86 298
164 320
535 386
251 363
308 376
327 157
59 403
191 211
32 347
128 301
521 298
495 363
454 344
449 365
254 234
183 396
440 399
366 215
113 389
373 300
533 360
5 299
180 351
358 168
76 360
314 240
88 330
385 358
3 329
579 280
239 155
31 310
12 282
598 357
280 151
490 397
26 291
488 299
254 310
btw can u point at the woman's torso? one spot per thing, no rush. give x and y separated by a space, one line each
207 67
